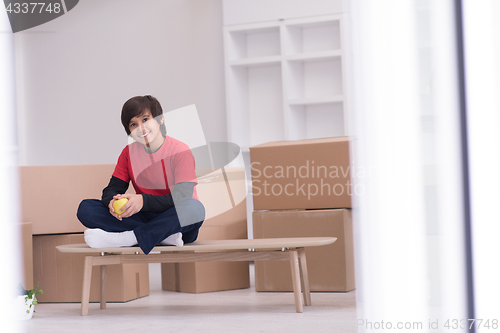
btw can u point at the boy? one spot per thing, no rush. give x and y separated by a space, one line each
165 209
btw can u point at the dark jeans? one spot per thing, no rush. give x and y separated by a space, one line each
149 228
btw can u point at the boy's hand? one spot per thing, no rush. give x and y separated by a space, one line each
133 206
112 209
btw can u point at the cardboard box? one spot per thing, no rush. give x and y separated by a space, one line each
330 268
225 218
219 196
46 189
60 274
27 255
224 221
305 174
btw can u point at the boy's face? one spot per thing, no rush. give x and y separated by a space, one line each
146 130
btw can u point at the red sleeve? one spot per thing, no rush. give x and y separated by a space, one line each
122 166
184 167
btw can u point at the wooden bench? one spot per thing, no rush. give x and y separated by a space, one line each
291 249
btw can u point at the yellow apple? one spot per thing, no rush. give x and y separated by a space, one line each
118 204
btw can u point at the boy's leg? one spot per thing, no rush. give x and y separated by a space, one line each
189 236
167 223
149 228
93 214
106 230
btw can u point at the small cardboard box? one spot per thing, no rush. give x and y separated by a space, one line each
330 268
225 204
305 174
27 255
60 275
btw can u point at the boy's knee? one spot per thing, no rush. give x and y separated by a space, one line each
190 211
190 204
85 210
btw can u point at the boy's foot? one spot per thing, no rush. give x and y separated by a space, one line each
97 238
174 239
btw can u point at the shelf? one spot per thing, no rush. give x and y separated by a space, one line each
254 62
260 27
258 99
284 80
316 100
303 58
252 43
314 80
316 121
315 36
315 56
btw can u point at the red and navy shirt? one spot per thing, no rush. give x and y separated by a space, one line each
158 172
154 175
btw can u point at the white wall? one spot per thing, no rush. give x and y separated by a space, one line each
75 72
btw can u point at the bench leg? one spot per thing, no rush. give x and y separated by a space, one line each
304 276
87 278
294 264
104 272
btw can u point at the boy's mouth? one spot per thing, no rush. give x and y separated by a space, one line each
144 135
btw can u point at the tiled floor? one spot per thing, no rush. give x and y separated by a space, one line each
242 310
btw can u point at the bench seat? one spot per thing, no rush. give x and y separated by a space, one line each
291 249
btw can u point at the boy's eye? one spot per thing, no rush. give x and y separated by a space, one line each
132 125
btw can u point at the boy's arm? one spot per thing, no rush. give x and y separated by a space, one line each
161 203
115 186
183 190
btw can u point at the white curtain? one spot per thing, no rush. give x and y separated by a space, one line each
9 191
482 62
409 220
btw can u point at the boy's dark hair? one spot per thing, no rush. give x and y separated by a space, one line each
137 105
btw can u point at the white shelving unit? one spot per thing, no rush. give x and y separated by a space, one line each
285 80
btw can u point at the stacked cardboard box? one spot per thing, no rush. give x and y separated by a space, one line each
60 275
27 255
51 209
303 189
223 193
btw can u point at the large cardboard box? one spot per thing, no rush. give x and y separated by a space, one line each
305 174
57 190
45 189
225 218
220 191
225 205
27 255
330 268
204 277
60 275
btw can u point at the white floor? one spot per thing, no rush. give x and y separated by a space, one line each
242 310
